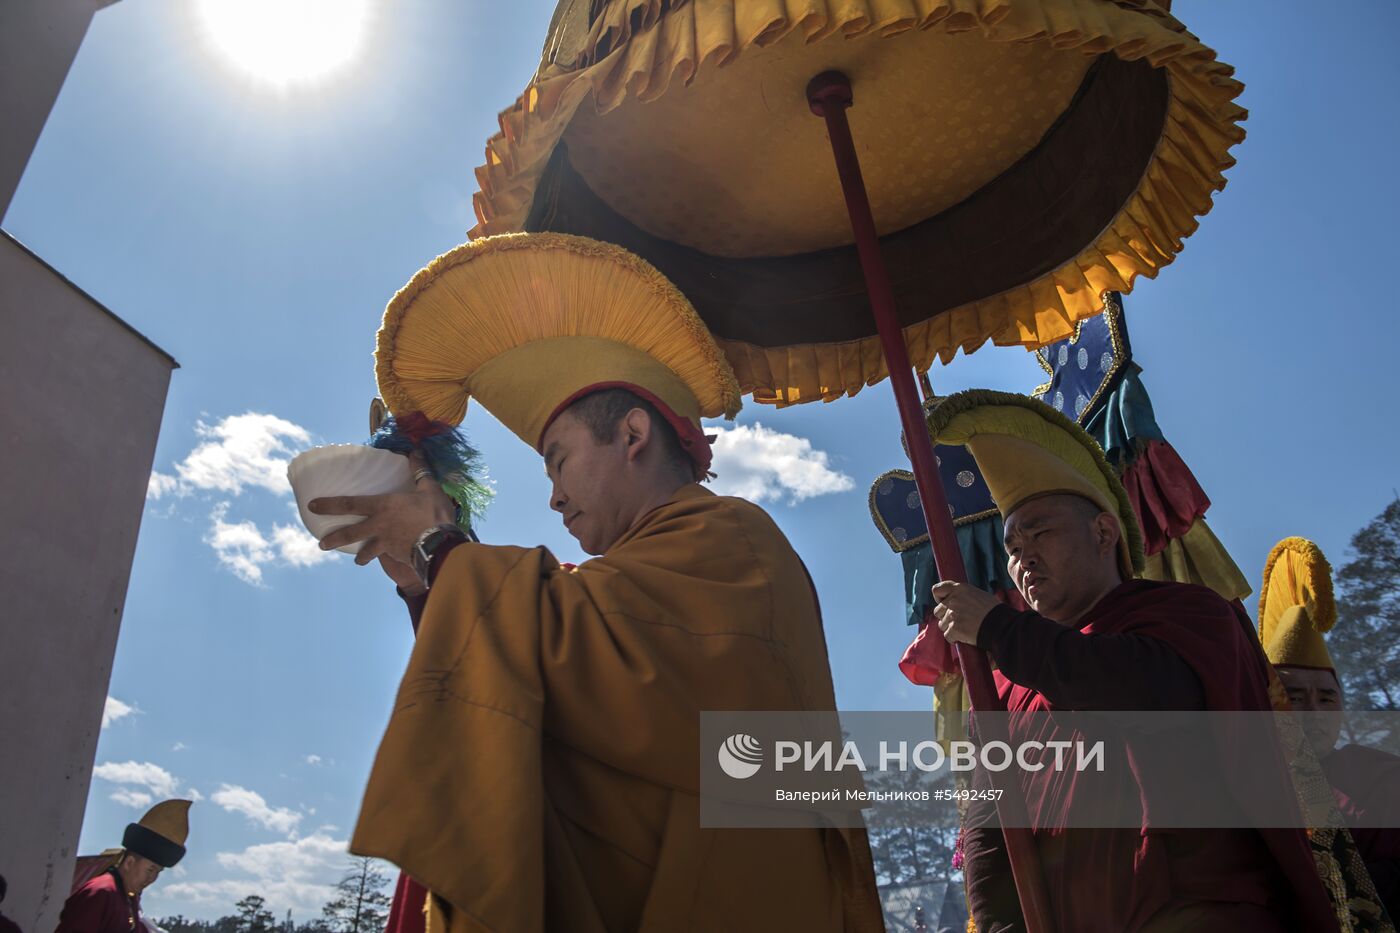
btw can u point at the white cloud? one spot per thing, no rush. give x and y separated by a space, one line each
251 804
313 759
757 463
194 795
296 875
239 453
132 798
244 549
161 484
155 779
297 547
178 747
239 545
251 449
115 709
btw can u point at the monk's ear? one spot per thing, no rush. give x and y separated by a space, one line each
1107 533
636 428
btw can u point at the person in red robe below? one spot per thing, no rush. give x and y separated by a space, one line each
1097 639
6 924
1296 606
110 902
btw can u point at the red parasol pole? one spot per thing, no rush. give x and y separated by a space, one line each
829 94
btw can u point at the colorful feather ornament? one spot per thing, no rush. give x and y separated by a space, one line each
456 463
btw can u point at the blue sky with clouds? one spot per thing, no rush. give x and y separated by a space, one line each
256 234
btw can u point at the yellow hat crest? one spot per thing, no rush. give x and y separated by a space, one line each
1296 605
1026 450
160 835
528 322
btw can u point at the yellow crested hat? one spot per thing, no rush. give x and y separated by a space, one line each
1027 450
1296 605
160 835
528 323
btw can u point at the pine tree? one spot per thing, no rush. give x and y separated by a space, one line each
1365 644
253 915
911 840
361 904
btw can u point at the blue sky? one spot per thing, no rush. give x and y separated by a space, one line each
256 235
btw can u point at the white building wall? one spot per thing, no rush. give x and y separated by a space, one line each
81 399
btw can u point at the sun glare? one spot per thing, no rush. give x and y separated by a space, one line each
286 42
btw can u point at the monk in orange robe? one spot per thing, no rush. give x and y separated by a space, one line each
540 770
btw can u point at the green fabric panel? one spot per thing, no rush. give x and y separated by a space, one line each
1124 422
983 556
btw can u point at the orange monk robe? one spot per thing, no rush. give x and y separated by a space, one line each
541 766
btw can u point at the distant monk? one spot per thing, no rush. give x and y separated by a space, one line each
1096 639
1296 606
111 901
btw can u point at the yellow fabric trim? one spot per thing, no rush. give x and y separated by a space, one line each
641 49
488 297
1025 449
951 704
1198 557
1296 604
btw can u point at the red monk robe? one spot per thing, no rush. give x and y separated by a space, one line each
1145 646
101 905
1366 783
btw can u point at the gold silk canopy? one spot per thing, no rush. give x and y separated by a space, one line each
1021 158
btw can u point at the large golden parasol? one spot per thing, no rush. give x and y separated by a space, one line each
1016 160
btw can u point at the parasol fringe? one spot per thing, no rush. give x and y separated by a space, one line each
638 49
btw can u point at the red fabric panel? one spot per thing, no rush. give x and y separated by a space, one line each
406 912
1164 494
930 655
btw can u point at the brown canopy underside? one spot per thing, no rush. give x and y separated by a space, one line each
1034 217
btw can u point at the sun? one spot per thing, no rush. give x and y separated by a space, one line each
286 42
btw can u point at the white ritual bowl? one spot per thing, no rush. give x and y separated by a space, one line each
344 470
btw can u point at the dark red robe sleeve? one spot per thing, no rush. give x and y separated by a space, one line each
991 889
1079 671
94 908
417 603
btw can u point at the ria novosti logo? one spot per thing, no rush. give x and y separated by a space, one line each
740 756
